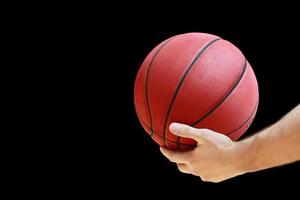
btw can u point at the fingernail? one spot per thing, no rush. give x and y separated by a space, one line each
174 127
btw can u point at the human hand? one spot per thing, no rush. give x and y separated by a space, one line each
214 159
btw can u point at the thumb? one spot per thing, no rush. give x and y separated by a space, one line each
200 135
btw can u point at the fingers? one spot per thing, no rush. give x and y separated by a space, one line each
180 158
176 156
184 168
200 135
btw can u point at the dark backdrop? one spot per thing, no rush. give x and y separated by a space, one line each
126 157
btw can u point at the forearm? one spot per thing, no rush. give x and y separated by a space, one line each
276 145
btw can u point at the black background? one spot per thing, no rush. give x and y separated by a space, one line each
127 161
76 65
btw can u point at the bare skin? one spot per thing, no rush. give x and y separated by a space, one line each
217 158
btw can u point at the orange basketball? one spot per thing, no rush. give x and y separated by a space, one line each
197 79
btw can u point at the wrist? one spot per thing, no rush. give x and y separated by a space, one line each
246 155
251 154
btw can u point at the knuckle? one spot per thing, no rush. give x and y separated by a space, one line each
204 178
180 168
205 132
193 130
215 180
210 179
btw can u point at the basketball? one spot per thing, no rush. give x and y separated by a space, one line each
198 79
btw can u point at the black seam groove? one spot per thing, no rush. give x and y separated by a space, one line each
227 134
255 107
180 84
147 79
224 98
